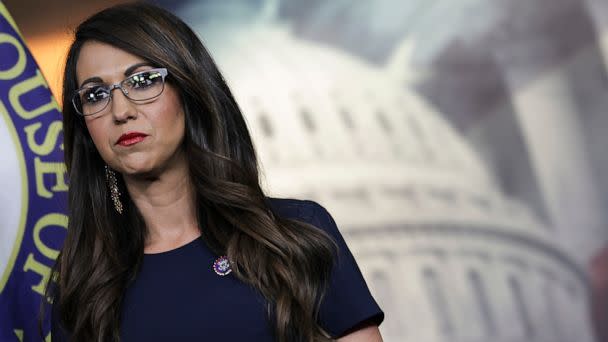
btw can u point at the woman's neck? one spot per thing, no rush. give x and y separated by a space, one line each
166 202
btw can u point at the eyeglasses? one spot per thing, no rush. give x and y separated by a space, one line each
142 86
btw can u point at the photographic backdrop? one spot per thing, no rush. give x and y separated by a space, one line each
459 145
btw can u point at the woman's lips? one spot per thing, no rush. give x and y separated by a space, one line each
131 138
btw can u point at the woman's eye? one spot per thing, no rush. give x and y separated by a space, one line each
144 80
94 94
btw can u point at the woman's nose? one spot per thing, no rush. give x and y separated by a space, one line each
122 108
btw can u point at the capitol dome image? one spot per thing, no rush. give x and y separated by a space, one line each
448 255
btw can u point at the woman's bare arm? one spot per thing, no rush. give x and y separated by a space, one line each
367 334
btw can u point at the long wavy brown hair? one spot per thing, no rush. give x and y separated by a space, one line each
103 250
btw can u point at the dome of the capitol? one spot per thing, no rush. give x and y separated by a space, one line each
447 254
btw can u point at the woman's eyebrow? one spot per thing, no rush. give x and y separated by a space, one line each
134 67
91 80
127 72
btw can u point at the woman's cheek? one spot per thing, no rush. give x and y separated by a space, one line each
100 140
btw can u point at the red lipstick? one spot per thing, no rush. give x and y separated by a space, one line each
131 138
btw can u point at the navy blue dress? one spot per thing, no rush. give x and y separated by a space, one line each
177 296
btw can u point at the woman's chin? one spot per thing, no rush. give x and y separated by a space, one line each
150 167
139 171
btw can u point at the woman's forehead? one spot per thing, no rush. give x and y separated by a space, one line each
104 61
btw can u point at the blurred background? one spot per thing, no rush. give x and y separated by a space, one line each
459 144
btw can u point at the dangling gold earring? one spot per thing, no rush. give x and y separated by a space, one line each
114 192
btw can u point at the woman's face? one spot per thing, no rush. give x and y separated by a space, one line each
132 138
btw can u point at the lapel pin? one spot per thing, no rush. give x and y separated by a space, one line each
221 266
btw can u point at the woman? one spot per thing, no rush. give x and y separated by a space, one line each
170 236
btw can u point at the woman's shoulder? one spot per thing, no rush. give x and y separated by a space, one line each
348 303
307 211
301 209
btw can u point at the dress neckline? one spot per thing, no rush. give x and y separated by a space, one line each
174 250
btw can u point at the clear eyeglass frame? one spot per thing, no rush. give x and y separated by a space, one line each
129 88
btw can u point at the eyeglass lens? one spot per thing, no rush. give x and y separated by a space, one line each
138 87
